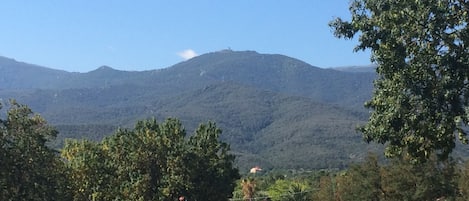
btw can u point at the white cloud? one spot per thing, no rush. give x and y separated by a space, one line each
187 54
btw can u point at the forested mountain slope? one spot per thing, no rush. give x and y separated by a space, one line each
275 111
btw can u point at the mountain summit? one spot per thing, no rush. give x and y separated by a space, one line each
275 111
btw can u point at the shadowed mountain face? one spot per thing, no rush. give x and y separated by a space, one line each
274 110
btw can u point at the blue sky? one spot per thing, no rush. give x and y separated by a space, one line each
80 35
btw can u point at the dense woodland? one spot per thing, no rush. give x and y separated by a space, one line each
157 161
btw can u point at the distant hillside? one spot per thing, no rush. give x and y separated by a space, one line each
19 75
264 71
275 111
280 74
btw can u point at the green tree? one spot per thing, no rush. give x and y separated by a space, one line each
326 189
404 180
90 175
152 161
361 181
149 160
212 172
29 169
421 96
289 190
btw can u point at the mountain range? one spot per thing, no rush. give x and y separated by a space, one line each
275 111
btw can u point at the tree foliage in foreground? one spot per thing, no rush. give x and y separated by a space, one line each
157 162
421 97
152 162
29 169
399 180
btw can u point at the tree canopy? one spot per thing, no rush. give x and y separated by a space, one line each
420 102
153 161
29 169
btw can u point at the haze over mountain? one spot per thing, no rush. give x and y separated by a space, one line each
275 111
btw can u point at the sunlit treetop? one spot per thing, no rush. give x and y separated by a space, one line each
420 102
